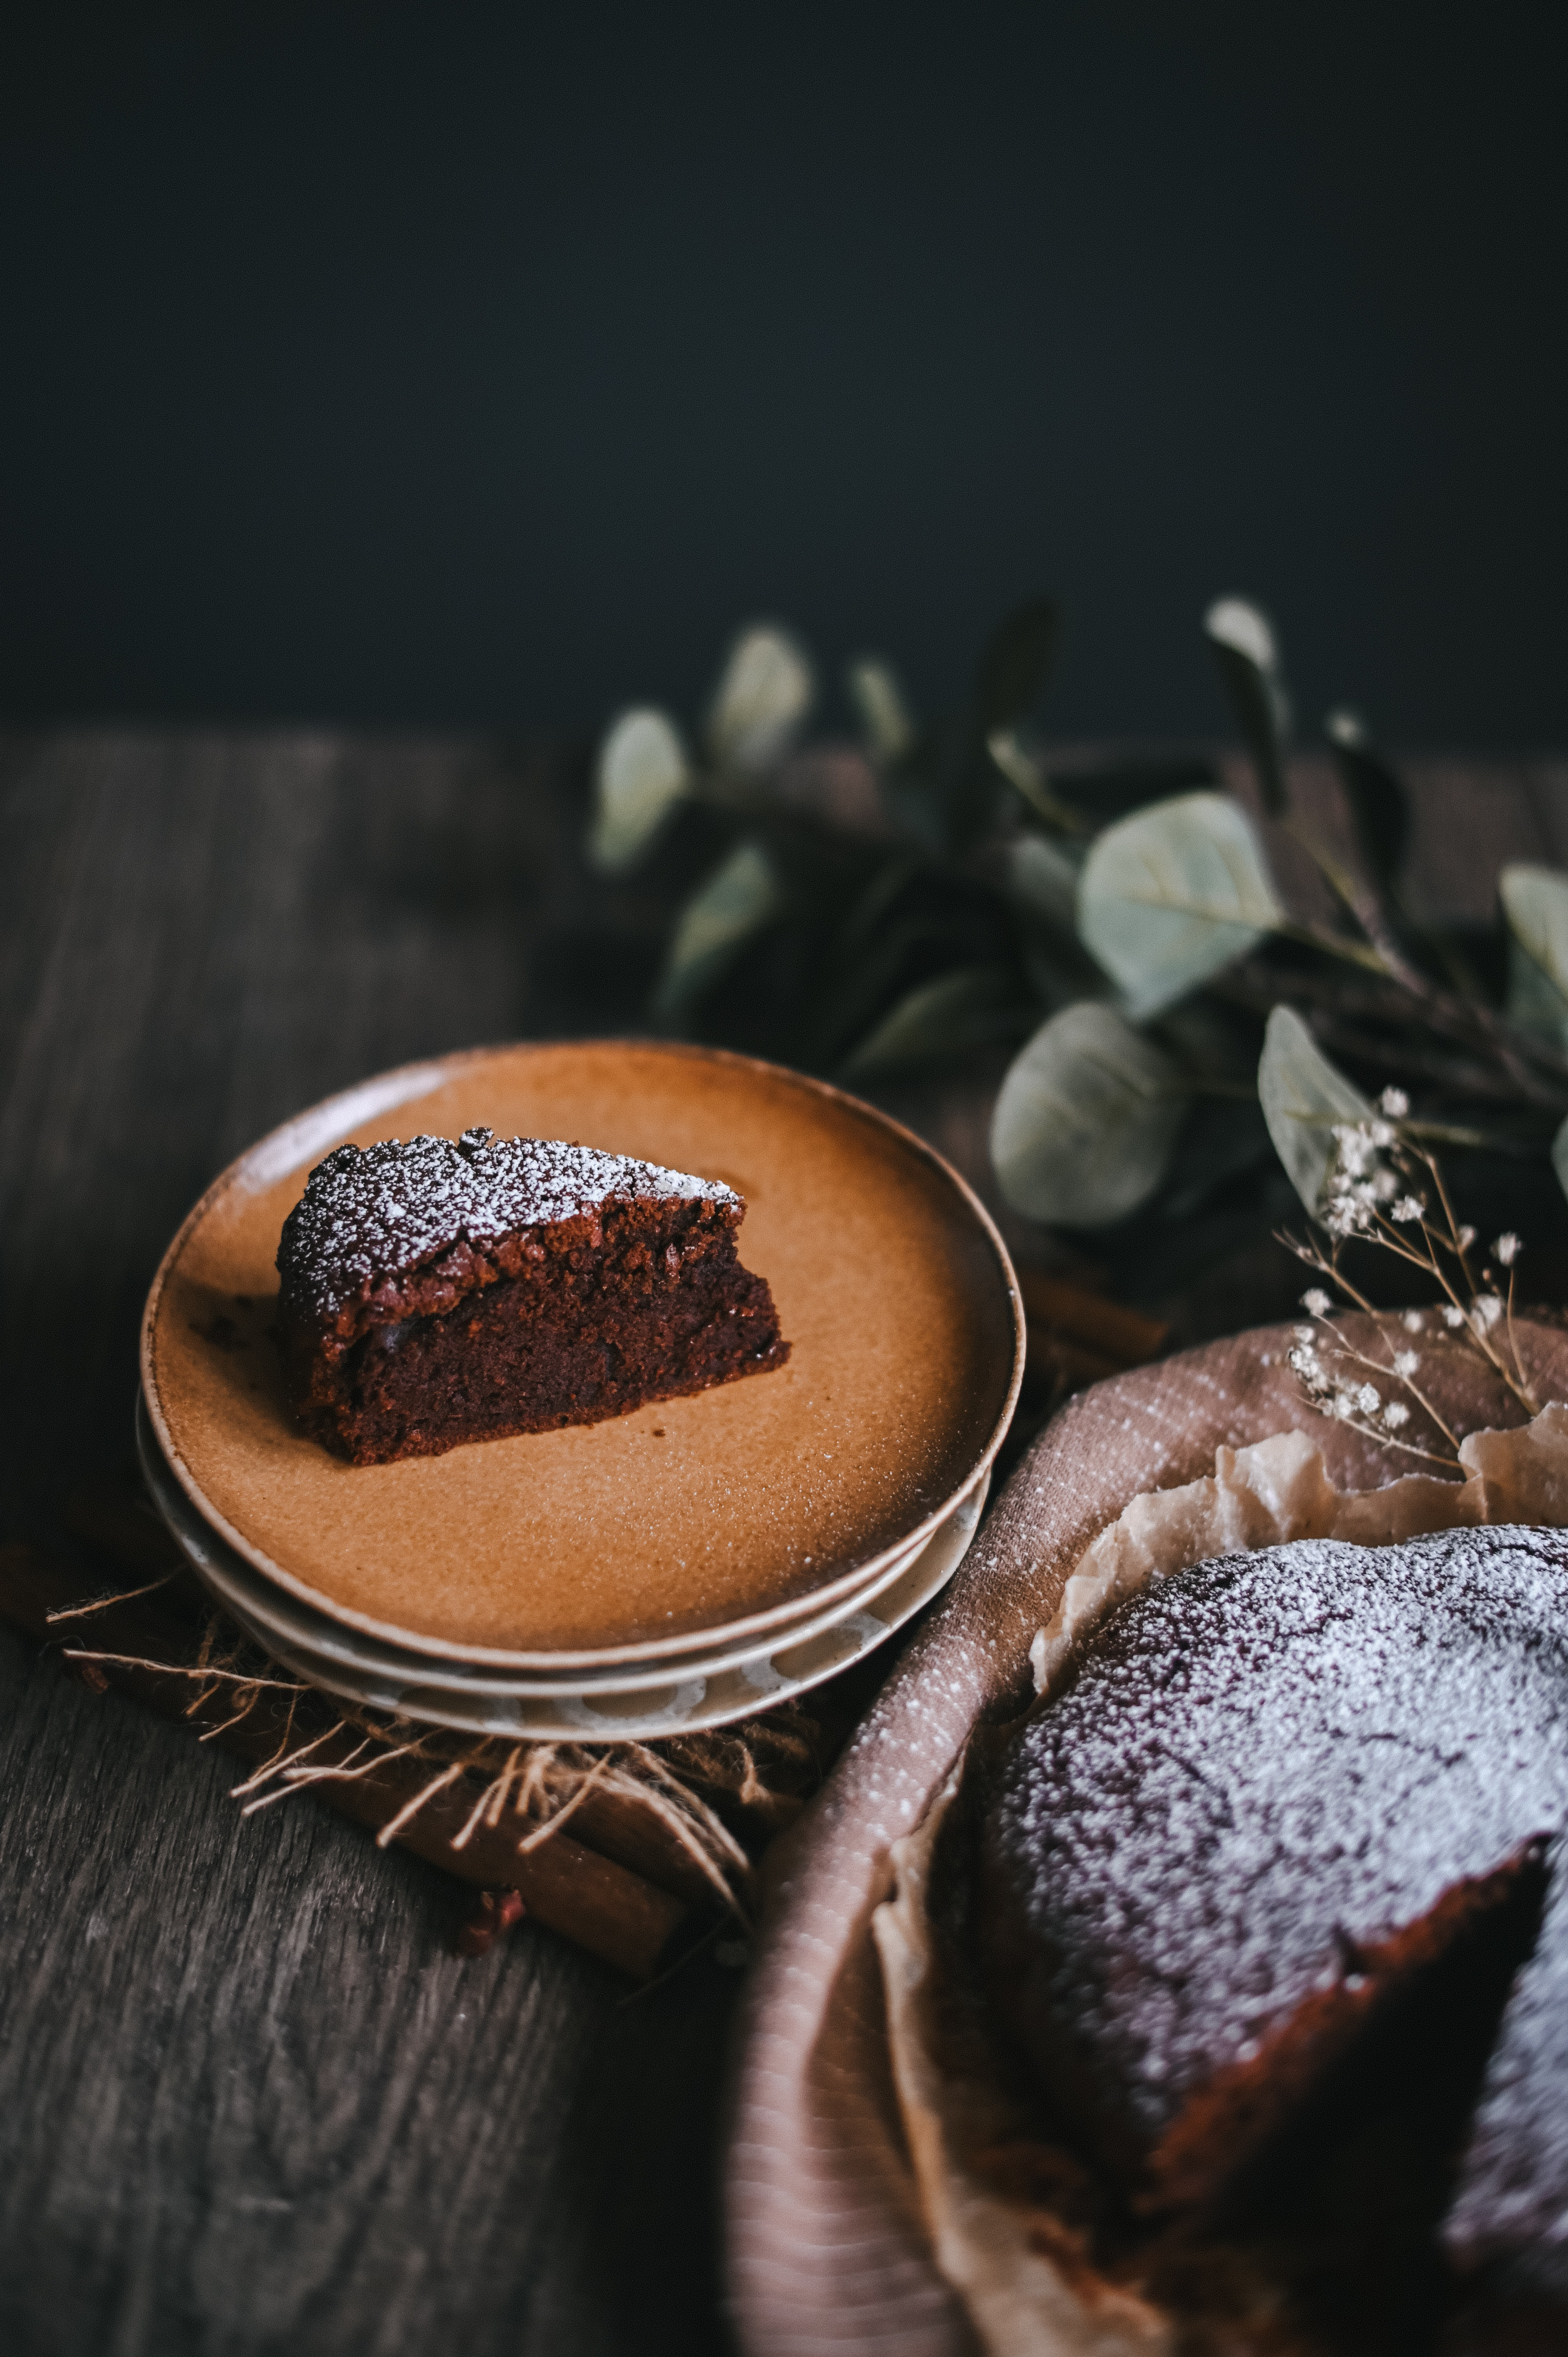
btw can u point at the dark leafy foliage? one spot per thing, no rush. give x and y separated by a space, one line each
937 923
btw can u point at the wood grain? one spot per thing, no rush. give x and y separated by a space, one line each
248 2100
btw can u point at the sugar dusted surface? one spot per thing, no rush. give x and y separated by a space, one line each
370 1212
1275 1745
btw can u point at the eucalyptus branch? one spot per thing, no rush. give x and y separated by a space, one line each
1365 906
970 900
1252 984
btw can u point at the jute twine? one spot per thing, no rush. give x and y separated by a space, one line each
711 1792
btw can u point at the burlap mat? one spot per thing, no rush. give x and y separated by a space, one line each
826 2246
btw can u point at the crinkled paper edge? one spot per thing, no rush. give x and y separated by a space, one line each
1020 2301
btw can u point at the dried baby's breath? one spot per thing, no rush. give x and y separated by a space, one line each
1386 1189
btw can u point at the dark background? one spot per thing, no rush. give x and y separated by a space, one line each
464 363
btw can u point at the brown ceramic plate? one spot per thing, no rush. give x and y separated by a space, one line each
275 1616
684 1703
649 1533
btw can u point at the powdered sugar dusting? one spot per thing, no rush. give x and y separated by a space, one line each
372 1211
1275 1748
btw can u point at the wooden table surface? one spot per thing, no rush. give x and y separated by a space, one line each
249 2098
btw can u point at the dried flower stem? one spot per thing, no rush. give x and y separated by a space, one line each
1363 1200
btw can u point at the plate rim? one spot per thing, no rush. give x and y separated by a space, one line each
283 1149
231 1592
702 1717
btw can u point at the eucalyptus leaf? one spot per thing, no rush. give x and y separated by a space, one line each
1303 1096
944 1018
737 899
880 896
1087 1120
945 789
1027 771
1535 903
1043 881
1016 664
854 991
768 689
877 695
1173 895
642 773
1559 1157
1247 651
1378 802
1534 1002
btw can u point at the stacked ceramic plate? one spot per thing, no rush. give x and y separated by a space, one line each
671 1569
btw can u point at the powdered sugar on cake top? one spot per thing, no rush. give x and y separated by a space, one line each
1272 1753
374 1211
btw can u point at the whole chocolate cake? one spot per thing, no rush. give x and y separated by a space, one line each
437 1292
1272 1886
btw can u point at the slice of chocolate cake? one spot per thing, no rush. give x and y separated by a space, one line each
438 1292
1279 1874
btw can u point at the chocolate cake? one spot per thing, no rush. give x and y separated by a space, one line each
1277 1876
437 1292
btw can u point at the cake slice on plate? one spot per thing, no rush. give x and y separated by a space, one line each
438 1291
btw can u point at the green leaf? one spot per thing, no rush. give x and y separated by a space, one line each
1026 770
1245 648
877 695
944 1018
944 791
1016 664
1302 1095
642 773
1535 902
761 701
1087 1120
857 985
1172 895
741 896
1559 1157
1378 802
1043 881
880 894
